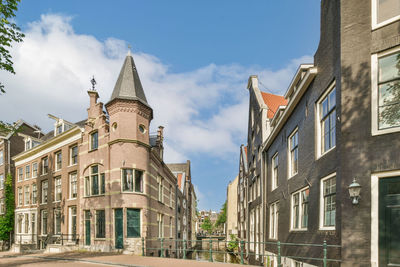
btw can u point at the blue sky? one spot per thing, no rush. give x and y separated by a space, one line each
193 57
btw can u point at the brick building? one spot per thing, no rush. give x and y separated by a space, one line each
100 183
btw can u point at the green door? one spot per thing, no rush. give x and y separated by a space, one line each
389 221
119 238
87 228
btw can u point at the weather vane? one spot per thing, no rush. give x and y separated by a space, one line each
93 82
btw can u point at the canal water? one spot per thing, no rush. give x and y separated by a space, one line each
220 256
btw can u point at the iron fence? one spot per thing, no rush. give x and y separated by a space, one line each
311 253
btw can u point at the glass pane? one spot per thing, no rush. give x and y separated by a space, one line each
95 169
128 180
138 181
388 9
332 99
326 142
95 184
325 107
103 184
389 67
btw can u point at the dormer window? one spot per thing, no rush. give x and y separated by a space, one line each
28 144
59 129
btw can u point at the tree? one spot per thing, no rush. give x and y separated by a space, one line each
207 225
222 216
7 219
9 32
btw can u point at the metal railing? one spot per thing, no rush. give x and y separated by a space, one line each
268 252
43 240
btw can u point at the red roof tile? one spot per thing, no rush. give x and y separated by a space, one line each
273 102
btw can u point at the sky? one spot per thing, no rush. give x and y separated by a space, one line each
193 58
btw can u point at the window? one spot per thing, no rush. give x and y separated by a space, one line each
328 202
57 188
34 194
293 153
94 140
100 224
72 223
45 185
93 185
1 181
170 196
171 232
44 222
95 180
58 161
1 157
20 219
160 222
2 209
20 174
133 222
73 192
300 209
19 196
327 120
57 221
384 12
26 196
273 220
34 170
59 129
26 221
45 165
130 183
275 162
27 172
28 144
73 151
160 188
387 93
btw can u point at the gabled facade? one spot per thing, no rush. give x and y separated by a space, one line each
341 125
262 107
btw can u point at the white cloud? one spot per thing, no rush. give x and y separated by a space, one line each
204 111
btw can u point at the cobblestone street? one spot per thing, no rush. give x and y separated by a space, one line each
102 259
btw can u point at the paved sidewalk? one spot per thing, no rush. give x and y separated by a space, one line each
84 259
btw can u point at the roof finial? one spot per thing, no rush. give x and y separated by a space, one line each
93 82
129 49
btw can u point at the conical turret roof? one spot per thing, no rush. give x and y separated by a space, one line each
128 85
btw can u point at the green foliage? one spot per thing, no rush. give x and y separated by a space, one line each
207 225
222 216
9 32
7 219
233 244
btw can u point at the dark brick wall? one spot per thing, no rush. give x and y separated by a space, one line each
327 61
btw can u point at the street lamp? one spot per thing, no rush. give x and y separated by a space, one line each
354 191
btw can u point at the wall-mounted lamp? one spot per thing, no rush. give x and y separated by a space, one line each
354 191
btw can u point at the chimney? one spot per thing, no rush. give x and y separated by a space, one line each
160 135
93 97
252 82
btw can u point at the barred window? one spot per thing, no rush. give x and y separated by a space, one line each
100 224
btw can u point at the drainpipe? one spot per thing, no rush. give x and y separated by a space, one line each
9 155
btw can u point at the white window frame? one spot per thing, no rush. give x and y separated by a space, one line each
42 191
57 185
34 193
322 204
292 226
33 168
70 209
1 181
160 189
290 167
73 174
2 206
27 172
133 189
318 127
26 198
160 223
374 17
274 178
58 155
91 143
43 165
41 221
273 220
71 154
55 212
20 195
375 96
1 157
